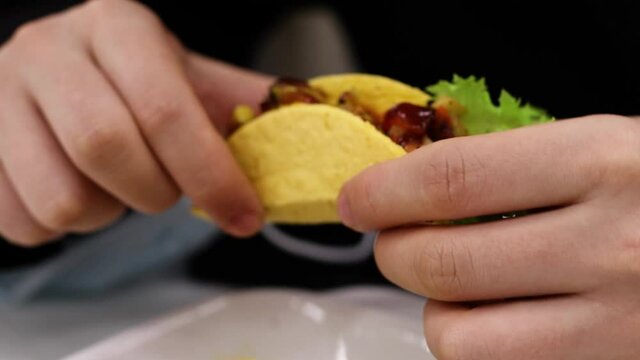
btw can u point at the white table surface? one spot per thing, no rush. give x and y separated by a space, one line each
54 328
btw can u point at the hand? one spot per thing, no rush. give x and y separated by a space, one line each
101 109
558 284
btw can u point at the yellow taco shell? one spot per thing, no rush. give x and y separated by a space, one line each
299 156
378 93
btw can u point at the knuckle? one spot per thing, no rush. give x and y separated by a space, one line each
103 214
445 179
38 32
99 145
159 116
107 8
621 166
162 203
28 238
65 209
33 42
30 32
626 252
459 342
110 9
450 343
439 270
104 7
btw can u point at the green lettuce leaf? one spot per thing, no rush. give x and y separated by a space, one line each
481 114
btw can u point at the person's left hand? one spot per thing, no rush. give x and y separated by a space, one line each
557 284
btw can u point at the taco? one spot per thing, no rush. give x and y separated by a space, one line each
312 136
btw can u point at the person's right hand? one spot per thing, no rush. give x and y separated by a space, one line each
100 110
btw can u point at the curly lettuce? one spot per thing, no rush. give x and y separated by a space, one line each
480 114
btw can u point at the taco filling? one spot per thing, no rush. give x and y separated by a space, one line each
408 124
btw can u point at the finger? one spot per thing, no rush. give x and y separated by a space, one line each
548 328
220 87
98 133
540 254
526 168
151 79
16 224
54 192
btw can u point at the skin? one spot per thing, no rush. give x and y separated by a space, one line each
101 109
563 283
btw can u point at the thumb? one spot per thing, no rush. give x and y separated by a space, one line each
221 87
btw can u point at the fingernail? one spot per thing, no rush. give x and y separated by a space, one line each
246 223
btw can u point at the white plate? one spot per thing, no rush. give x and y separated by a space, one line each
270 325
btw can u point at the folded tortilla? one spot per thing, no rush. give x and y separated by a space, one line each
313 136
298 156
